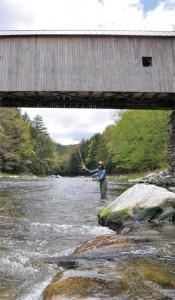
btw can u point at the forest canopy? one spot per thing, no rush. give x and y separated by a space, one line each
136 142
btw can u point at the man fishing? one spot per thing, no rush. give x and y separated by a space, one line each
101 178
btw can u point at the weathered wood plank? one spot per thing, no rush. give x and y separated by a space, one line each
86 63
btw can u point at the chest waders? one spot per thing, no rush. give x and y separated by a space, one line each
103 187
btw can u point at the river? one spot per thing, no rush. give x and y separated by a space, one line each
46 218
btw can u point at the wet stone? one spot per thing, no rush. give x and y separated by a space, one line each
118 267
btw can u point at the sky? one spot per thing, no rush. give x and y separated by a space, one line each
70 126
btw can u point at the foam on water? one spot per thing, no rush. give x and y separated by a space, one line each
36 292
16 265
67 229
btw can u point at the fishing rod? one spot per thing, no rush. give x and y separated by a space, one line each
80 156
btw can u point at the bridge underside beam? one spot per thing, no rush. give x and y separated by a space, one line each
114 100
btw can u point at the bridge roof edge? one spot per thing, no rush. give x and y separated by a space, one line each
139 33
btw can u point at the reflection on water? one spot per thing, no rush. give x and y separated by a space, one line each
45 219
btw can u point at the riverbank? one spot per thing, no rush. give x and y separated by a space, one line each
159 177
19 176
163 178
115 177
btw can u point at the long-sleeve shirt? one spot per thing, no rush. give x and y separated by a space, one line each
101 173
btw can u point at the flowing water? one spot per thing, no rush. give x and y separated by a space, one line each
47 218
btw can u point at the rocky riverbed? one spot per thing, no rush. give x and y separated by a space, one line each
163 178
136 262
123 266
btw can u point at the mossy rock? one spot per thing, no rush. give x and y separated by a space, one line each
113 219
168 214
146 214
117 219
140 203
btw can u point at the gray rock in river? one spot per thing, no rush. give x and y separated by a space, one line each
163 178
140 203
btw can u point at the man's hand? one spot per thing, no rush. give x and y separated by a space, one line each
84 168
94 179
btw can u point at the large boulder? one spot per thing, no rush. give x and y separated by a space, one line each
140 203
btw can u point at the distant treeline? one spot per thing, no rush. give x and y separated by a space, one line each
136 142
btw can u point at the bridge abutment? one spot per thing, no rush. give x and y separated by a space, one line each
171 143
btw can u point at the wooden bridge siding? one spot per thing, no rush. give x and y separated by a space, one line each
91 63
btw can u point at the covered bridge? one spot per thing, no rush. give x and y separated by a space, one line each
87 69
90 69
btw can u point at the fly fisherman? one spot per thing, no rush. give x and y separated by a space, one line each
101 177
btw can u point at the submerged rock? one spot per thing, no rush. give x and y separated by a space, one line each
140 203
117 267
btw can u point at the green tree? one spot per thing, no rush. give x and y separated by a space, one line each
38 125
139 140
16 146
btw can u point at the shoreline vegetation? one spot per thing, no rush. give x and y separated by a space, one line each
164 179
115 177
